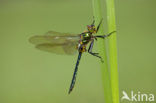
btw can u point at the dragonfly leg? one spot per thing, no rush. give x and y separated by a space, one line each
104 36
94 54
93 21
99 25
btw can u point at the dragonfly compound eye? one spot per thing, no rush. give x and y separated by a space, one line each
91 28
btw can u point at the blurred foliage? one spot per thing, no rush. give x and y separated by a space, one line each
28 75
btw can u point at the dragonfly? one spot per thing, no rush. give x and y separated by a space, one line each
66 43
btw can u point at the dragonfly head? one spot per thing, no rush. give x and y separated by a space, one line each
91 28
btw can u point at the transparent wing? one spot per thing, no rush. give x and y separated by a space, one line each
55 42
68 49
54 38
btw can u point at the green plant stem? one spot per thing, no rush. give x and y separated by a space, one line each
102 50
112 50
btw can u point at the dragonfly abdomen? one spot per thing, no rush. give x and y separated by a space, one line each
81 48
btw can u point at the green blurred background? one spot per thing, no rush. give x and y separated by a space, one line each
28 75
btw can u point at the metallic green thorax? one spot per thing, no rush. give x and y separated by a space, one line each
85 37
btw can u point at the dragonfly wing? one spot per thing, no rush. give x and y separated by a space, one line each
55 42
68 48
54 33
53 37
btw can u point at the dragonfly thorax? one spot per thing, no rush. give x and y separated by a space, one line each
85 37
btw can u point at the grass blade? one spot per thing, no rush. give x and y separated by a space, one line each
112 50
102 50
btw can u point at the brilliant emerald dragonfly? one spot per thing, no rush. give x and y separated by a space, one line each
65 43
